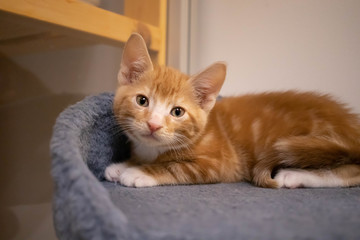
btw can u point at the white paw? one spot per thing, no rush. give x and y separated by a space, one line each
114 171
287 178
134 177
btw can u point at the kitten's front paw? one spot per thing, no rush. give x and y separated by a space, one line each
114 171
134 177
287 178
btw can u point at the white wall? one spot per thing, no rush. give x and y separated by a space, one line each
280 44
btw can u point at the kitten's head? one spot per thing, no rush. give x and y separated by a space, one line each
159 106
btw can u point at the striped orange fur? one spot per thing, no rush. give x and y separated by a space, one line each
181 135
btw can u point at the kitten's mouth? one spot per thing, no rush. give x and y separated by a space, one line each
150 136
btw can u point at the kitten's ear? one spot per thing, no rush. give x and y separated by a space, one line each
135 60
208 83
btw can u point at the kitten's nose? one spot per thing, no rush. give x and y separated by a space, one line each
153 126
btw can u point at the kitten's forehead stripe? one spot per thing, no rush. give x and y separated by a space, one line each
168 84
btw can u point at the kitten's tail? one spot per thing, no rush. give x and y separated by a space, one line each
302 152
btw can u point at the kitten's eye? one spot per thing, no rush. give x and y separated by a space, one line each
142 100
177 112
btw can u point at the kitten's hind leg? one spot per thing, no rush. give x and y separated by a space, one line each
342 176
262 177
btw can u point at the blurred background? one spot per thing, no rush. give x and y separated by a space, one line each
268 45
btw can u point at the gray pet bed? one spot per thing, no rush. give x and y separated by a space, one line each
86 139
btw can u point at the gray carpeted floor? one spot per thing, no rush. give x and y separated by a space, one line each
239 211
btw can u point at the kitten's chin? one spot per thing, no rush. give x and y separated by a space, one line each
157 141
149 140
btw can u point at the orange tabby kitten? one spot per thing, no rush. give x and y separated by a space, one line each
181 135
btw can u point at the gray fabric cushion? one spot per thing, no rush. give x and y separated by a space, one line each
86 139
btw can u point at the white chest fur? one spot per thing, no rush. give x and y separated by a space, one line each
146 153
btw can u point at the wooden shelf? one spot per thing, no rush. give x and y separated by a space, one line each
28 26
